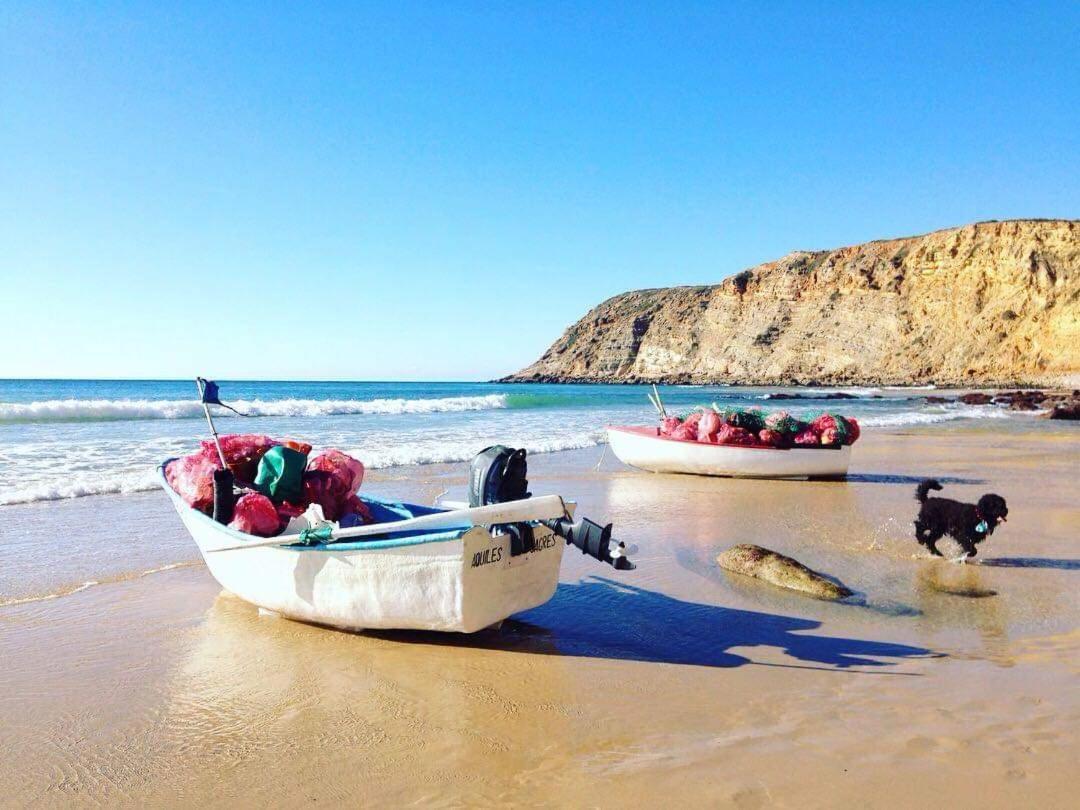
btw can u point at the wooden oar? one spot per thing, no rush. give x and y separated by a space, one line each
547 507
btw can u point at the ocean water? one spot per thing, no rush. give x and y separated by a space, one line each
72 438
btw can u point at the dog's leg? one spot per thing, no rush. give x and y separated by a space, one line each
931 542
922 532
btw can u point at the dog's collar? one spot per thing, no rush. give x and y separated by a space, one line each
983 526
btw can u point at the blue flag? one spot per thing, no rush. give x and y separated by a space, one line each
211 395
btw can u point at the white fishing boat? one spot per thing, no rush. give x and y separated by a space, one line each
646 449
444 574
452 567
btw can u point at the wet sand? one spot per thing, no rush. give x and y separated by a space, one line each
672 683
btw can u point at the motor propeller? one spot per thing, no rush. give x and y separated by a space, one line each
594 540
498 474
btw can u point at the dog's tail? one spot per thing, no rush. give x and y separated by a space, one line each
924 489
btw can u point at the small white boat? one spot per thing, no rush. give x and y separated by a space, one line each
459 579
646 449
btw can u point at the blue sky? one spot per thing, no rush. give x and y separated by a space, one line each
436 190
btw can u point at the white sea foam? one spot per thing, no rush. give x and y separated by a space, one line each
90 583
946 414
446 452
55 481
106 410
60 486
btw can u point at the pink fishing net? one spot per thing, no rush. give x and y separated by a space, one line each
347 472
331 480
192 478
255 514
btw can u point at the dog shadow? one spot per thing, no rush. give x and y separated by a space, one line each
882 478
600 618
1032 562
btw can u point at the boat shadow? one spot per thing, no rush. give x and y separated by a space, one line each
885 478
600 618
1032 562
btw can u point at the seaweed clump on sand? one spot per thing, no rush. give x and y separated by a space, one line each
784 572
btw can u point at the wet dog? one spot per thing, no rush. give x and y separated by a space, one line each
967 523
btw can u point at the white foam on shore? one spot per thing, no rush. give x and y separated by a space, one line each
105 482
946 414
447 452
112 410
62 486
90 583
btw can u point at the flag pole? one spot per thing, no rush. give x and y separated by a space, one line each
213 430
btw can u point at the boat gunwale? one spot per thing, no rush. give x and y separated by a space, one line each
646 432
405 539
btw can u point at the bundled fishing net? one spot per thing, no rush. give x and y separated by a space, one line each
836 429
751 426
669 424
708 426
733 434
192 478
346 472
749 419
242 451
772 438
255 514
784 423
331 479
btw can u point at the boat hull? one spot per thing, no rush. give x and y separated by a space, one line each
458 581
644 448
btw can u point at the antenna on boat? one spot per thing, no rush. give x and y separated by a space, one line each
208 395
224 494
654 398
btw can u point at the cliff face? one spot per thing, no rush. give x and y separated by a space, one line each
992 303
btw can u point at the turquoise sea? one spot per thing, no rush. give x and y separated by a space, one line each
71 438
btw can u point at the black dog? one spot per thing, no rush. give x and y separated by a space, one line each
967 523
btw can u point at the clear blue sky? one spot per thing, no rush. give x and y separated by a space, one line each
436 190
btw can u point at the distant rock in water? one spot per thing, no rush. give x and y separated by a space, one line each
784 572
1068 409
830 395
991 304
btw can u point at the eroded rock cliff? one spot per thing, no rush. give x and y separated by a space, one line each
991 303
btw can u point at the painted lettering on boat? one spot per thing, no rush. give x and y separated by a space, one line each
494 555
487 556
545 542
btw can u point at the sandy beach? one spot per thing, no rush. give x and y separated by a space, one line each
674 682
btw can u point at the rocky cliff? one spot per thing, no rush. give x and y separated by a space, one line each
991 303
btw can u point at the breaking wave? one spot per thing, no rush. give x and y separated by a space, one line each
63 487
118 410
933 417
59 485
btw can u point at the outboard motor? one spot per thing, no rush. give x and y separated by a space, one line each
498 474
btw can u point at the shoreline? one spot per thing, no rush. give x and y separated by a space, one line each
1056 383
673 680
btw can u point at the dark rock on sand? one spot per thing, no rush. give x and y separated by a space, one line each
784 572
1068 409
1060 405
